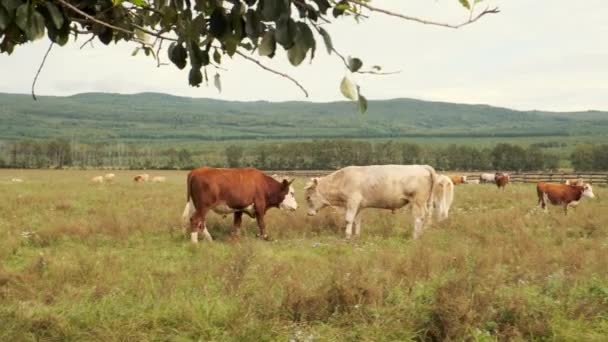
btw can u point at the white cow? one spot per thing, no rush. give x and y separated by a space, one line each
376 186
97 179
109 177
443 196
577 182
17 180
158 179
487 178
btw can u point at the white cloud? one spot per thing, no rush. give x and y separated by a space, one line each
531 55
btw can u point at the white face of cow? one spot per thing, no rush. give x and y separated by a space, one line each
588 191
289 202
314 199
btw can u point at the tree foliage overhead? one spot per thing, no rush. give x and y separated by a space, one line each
202 32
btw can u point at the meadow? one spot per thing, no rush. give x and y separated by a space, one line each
109 262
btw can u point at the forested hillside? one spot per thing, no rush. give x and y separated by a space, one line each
149 117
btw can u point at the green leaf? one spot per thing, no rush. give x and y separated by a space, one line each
296 54
326 40
106 35
134 53
362 104
252 24
195 77
177 55
285 32
323 5
140 3
354 64
56 15
349 89
218 23
465 4
11 5
231 44
217 82
268 44
217 57
30 21
271 10
5 19
304 41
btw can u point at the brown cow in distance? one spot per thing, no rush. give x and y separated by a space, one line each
502 179
458 179
562 194
237 191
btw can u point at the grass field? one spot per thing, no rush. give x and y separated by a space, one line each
86 262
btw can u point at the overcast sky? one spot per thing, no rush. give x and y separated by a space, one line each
550 55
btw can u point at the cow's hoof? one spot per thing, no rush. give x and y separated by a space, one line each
264 237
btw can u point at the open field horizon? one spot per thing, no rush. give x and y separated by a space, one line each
82 261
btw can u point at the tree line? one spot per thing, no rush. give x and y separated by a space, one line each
303 155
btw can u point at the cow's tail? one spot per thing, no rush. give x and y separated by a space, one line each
189 209
433 175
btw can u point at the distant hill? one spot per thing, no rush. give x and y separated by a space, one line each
160 117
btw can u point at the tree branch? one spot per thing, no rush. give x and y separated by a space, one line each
251 59
424 21
40 69
75 9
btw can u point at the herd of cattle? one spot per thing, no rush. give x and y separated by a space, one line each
353 188
144 177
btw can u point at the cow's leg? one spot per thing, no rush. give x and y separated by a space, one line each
197 221
236 226
206 234
260 210
351 213
566 209
357 224
420 214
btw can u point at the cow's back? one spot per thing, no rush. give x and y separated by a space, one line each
383 186
235 187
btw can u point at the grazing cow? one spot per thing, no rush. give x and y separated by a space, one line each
502 179
17 180
376 186
109 177
97 179
487 178
562 194
473 181
141 178
158 179
457 179
577 181
237 191
443 196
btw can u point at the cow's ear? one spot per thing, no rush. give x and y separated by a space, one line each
312 183
289 181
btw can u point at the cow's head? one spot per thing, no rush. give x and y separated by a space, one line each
588 191
289 201
314 199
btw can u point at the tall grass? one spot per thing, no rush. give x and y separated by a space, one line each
109 262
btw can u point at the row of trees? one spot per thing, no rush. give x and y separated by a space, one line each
590 157
324 154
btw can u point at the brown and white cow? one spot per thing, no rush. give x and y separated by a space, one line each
237 191
458 179
144 177
376 186
562 194
502 179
